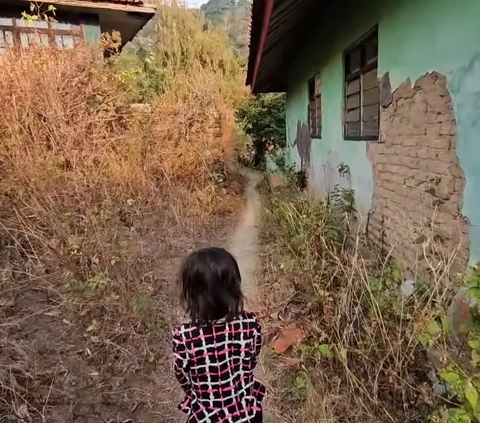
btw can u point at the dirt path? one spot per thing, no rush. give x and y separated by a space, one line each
245 247
244 244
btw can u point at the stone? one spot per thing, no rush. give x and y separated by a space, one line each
407 288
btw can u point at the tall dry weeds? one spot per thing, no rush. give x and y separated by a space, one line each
364 356
96 203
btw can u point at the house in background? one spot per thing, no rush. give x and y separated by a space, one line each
74 20
390 90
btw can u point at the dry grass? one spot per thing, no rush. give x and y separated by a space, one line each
97 205
365 355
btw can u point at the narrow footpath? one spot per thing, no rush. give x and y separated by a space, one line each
245 248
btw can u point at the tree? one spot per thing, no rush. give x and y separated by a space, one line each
262 117
233 18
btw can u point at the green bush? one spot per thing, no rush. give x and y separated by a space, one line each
262 118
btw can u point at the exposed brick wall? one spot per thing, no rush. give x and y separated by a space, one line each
418 183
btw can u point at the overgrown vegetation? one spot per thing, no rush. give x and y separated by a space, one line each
180 44
378 346
262 119
98 201
233 18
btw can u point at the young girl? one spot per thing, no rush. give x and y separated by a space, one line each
215 354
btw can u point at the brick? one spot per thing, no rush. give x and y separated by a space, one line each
409 162
433 166
442 156
392 177
447 128
439 141
455 171
422 153
376 148
419 131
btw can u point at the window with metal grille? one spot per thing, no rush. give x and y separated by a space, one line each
41 33
315 107
362 91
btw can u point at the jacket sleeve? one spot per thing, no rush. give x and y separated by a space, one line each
257 343
180 362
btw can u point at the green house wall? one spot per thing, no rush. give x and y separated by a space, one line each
415 37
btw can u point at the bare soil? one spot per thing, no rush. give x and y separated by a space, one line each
56 367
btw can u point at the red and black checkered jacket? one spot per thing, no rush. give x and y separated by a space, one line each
214 365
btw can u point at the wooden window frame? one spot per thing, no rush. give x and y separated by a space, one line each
315 106
366 67
51 31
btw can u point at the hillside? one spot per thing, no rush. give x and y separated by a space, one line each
233 18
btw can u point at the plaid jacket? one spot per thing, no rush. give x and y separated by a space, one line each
214 365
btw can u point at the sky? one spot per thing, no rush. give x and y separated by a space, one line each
195 3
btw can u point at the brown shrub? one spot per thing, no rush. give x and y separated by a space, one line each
364 356
97 201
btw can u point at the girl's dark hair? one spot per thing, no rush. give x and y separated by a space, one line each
210 285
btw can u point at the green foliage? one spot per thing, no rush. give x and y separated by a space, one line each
38 12
140 73
472 282
90 288
317 352
305 225
176 44
293 177
462 380
300 385
262 118
233 18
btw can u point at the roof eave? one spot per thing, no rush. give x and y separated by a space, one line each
101 5
261 12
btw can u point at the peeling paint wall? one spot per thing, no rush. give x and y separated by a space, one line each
418 182
415 38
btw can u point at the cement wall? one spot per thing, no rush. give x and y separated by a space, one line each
430 51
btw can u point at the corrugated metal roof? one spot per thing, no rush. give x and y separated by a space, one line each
267 64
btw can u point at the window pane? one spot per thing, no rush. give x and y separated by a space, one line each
317 85
318 102
353 101
353 87
354 61
370 80
353 115
370 129
371 96
352 129
370 113
371 50
311 89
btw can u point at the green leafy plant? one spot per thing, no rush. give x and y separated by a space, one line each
462 381
39 13
262 118
293 177
300 384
